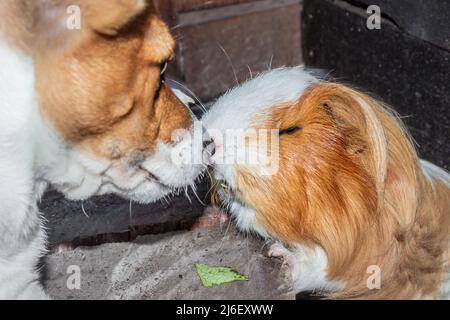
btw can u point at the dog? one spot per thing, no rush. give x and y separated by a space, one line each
353 211
85 110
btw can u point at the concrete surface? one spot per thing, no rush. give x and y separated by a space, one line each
163 267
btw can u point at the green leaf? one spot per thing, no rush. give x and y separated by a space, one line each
211 276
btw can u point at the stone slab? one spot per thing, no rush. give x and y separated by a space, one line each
111 219
163 267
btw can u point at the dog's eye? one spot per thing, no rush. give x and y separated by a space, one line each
290 130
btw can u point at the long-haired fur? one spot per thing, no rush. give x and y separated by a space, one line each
351 182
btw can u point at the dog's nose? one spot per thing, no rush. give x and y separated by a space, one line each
210 146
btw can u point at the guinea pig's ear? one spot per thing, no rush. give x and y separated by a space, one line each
358 118
390 156
109 16
386 142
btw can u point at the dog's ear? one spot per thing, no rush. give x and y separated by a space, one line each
63 22
159 45
109 16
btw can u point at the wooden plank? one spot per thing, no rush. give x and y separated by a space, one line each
112 219
211 53
199 17
169 9
192 5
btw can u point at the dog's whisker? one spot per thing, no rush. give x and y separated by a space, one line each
230 62
131 211
270 63
83 210
250 71
248 253
264 245
216 183
186 193
194 190
223 237
202 106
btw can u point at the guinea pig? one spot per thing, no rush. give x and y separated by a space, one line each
332 176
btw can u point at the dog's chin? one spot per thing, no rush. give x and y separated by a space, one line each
145 191
135 185
83 175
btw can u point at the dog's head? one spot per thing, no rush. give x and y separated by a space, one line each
100 84
345 173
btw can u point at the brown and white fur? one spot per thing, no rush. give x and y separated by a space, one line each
84 110
350 192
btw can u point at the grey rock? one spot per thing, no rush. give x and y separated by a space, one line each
163 267
112 219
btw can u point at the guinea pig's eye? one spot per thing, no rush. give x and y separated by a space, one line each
290 130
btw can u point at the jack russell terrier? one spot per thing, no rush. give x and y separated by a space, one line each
86 111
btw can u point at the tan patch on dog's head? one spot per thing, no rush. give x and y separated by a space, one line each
16 23
101 86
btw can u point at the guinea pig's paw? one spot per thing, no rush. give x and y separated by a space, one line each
212 217
277 250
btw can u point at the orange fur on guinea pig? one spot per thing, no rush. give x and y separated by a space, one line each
350 192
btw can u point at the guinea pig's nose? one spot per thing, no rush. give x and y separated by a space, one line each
210 146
